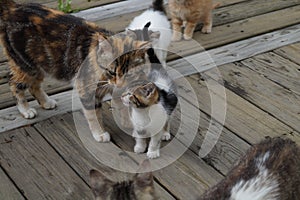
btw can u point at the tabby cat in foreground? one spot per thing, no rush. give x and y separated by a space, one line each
190 12
39 41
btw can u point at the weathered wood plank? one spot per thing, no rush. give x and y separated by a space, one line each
37 169
242 117
64 138
10 118
277 69
236 51
7 188
267 95
290 52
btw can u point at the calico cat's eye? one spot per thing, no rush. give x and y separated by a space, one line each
111 72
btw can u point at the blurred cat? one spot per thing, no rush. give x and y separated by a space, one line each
269 170
190 12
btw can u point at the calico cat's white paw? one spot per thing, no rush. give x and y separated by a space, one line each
166 136
102 137
50 104
153 154
29 113
139 148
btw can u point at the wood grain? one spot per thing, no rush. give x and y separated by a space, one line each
7 188
37 169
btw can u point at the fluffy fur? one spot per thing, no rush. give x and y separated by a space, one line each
151 99
190 12
270 170
159 22
39 41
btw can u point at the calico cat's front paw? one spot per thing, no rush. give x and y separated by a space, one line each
153 154
29 113
166 136
101 137
50 104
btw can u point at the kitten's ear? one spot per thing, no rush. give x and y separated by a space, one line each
149 88
99 183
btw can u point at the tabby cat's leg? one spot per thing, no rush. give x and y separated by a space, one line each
40 95
176 24
18 90
207 23
154 145
19 83
189 30
95 121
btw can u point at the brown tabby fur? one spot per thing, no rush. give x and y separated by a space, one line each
40 41
190 12
283 165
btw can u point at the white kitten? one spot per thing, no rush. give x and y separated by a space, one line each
156 15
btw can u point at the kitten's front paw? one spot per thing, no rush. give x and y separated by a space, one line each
104 137
139 148
153 154
30 113
166 136
50 104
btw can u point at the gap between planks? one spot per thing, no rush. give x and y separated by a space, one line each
200 62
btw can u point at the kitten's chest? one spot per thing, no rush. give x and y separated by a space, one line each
151 120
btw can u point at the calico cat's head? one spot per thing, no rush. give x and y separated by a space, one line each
140 188
140 95
119 54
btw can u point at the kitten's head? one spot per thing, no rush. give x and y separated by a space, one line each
140 95
140 188
120 53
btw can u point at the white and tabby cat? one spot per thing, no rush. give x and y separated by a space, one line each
151 99
160 32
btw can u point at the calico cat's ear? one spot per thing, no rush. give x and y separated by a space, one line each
131 34
99 183
154 35
104 45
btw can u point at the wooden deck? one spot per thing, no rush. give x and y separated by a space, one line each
255 46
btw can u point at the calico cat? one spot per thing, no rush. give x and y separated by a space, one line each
159 31
151 99
140 188
190 12
270 170
39 41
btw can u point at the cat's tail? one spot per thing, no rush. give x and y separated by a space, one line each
158 5
5 5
